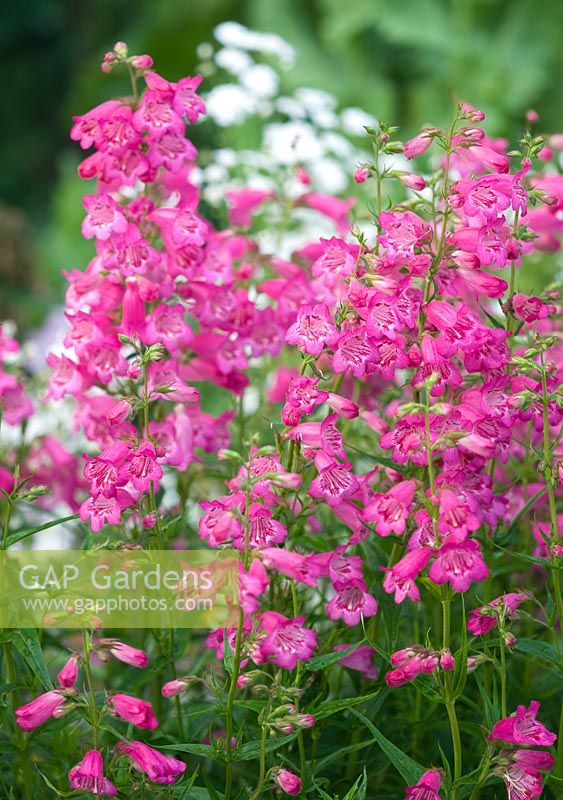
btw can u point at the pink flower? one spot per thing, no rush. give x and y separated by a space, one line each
482 620
131 709
157 767
313 330
244 202
360 659
390 511
334 482
531 309
186 101
69 673
287 781
459 564
287 641
420 143
142 467
400 578
426 788
103 218
102 510
175 687
361 174
47 705
351 603
523 728
88 776
124 652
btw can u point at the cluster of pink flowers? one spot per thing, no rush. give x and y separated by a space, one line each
88 775
402 376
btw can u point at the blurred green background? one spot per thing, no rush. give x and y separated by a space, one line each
403 60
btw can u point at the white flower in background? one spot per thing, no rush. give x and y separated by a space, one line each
354 119
233 60
233 34
261 80
229 104
292 142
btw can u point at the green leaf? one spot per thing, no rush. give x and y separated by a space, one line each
251 750
20 535
26 642
358 790
460 669
58 792
409 769
334 706
204 750
228 656
318 663
543 650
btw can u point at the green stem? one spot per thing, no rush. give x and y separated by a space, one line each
229 709
20 740
503 706
262 775
94 719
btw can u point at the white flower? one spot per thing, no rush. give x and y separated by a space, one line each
229 104
354 119
290 107
261 80
329 176
233 34
233 60
292 142
315 100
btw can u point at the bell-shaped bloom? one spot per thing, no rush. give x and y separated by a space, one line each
459 564
391 510
69 673
351 603
157 767
482 620
88 776
124 652
47 705
287 641
426 788
313 330
131 709
103 218
361 659
142 467
400 578
334 482
288 781
522 727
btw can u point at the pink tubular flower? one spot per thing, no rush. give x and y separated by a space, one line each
360 659
88 776
244 202
400 578
124 652
157 767
361 175
47 705
287 781
426 788
313 330
175 687
131 709
287 641
523 728
420 143
103 218
334 482
390 511
69 673
482 620
142 467
459 564
351 603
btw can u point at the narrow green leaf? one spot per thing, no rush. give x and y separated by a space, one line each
318 663
26 642
409 769
20 535
334 706
543 650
